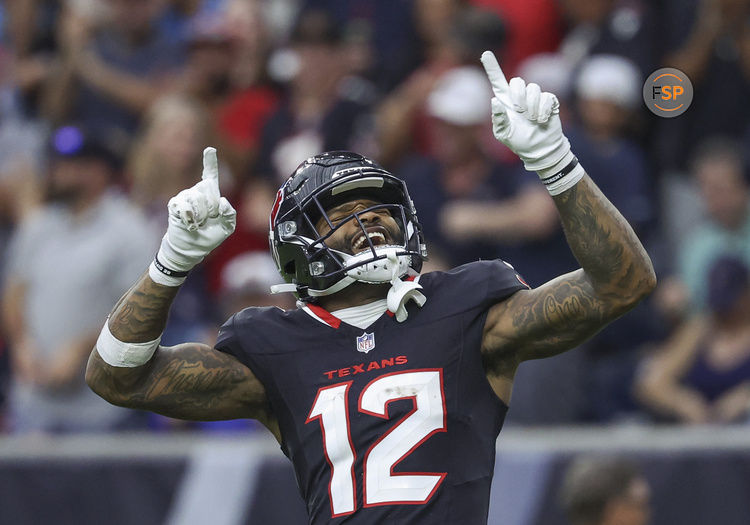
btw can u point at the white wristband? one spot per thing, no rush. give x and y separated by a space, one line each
160 277
118 353
563 175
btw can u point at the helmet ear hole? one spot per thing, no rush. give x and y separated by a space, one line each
290 268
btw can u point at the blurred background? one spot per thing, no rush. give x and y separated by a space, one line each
106 106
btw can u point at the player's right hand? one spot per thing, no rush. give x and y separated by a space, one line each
199 220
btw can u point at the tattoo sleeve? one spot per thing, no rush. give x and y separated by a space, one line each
188 381
141 314
605 245
616 273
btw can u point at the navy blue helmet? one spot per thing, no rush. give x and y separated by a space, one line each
303 258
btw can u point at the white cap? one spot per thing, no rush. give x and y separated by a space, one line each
250 272
461 96
612 78
551 71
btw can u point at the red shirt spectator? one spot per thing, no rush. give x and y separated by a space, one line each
534 26
242 117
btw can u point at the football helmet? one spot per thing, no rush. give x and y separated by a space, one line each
311 267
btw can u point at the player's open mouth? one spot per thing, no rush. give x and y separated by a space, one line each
377 238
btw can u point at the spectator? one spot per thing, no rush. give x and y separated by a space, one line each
390 30
315 116
208 65
246 281
708 41
21 131
165 159
21 157
67 262
175 18
22 154
603 491
28 28
534 26
467 201
19 188
721 174
554 74
506 214
113 66
625 28
252 98
702 373
18 198
608 92
452 36
166 155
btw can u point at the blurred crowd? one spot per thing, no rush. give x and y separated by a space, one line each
106 106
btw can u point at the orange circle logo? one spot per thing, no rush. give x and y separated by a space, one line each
668 92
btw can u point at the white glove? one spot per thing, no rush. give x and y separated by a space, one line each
527 121
199 220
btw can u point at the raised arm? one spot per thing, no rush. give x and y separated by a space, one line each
191 380
616 273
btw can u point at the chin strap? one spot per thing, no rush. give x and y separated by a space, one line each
401 292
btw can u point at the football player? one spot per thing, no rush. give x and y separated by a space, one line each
386 388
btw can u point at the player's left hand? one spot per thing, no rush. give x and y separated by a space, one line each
526 119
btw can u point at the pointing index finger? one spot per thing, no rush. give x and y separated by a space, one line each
496 76
210 166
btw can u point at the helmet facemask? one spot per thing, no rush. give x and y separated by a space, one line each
370 262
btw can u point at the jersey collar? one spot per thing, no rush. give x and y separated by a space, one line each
325 317
322 315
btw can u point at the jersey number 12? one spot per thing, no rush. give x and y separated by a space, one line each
382 487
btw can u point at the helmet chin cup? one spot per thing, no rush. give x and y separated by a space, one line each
402 292
380 270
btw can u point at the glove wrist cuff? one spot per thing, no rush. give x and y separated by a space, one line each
168 271
563 175
164 271
159 276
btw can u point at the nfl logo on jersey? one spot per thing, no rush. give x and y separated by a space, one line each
366 342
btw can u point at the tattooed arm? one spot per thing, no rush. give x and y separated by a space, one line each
187 381
616 274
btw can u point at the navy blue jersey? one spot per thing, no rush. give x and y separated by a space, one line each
394 423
